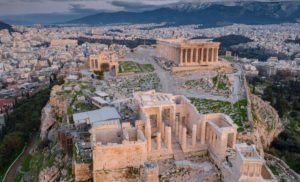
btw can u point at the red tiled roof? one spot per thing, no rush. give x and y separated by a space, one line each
6 102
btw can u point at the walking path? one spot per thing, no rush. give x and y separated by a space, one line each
13 170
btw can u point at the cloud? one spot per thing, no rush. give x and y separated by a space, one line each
141 5
132 5
81 9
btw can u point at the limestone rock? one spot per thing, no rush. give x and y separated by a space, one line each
47 121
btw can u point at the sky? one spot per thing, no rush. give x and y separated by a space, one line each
29 12
17 7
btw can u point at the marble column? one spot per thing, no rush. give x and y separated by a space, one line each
169 136
186 56
166 134
158 141
162 130
210 54
207 53
176 128
202 55
192 55
214 53
203 134
159 118
194 135
173 117
181 56
148 135
197 55
180 132
184 138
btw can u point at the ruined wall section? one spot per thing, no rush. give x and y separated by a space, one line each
82 171
116 156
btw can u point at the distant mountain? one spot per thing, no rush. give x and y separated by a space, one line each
6 26
46 19
207 14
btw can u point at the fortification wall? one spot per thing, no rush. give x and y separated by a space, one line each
116 156
83 171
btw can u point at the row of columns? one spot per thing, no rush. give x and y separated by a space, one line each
212 137
198 55
164 134
94 64
181 133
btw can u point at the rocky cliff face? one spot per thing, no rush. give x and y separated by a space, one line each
266 121
47 121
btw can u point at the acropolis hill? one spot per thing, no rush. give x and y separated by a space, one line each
154 135
126 110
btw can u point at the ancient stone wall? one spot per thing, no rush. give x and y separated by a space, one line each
129 174
194 116
116 156
190 68
249 103
82 172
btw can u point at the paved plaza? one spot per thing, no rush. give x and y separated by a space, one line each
173 82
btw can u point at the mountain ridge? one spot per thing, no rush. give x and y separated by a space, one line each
210 14
5 26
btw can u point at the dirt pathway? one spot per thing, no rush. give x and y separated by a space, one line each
13 170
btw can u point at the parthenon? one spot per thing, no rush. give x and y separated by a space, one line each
198 52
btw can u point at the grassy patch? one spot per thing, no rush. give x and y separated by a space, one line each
237 111
130 66
51 160
18 176
26 163
36 164
146 67
274 169
228 58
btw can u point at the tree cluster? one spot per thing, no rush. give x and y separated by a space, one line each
21 124
283 93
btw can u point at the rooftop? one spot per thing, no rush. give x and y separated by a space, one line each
99 115
247 151
182 41
153 98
